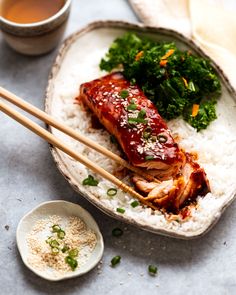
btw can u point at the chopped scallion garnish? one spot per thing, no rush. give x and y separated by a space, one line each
120 210
153 138
73 253
54 243
152 269
111 192
72 262
115 260
55 251
136 120
147 132
146 135
132 106
55 228
61 234
117 232
65 248
124 93
48 240
142 114
139 119
90 180
135 204
149 157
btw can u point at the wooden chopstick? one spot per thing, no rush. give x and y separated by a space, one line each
49 137
11 97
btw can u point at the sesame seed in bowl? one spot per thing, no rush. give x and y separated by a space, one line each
59 240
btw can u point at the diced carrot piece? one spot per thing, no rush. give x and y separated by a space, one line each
185 82
163 62
139 55
168 53
195 110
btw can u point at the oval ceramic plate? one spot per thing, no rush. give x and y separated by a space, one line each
64 210
78 62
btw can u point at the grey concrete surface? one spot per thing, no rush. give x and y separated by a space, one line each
28 176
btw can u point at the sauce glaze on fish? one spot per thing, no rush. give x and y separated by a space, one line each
133 119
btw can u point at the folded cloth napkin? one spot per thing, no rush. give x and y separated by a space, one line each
210 23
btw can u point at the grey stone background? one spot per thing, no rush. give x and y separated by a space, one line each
28 176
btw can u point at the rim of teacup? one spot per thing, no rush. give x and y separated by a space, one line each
43 22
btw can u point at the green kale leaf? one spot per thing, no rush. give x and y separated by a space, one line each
173 79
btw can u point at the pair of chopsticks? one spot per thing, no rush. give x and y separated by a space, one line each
50 138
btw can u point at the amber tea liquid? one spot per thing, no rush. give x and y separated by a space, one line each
29 11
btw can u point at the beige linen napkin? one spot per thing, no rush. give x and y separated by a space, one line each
210 23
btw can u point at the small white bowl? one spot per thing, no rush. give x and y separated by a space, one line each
62 209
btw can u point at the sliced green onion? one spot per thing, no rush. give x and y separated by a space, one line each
54 243
72 262
49 240
132 106
149 157
115 260
90 180
73 253
152 269
55 250
117 232
147 132
135 204
124 93
139 119
148 129
61 234
65 249
55 228
136 120
162 138
120 210
154 138
146 135
111 192
142 114
132 120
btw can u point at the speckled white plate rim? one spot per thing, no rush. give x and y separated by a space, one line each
62 166
100 242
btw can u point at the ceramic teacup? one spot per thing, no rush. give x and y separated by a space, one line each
36 38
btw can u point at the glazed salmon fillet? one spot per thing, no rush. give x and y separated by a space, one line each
143 135
174 193
133 119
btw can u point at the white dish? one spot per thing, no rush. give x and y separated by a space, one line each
77 62
63 209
